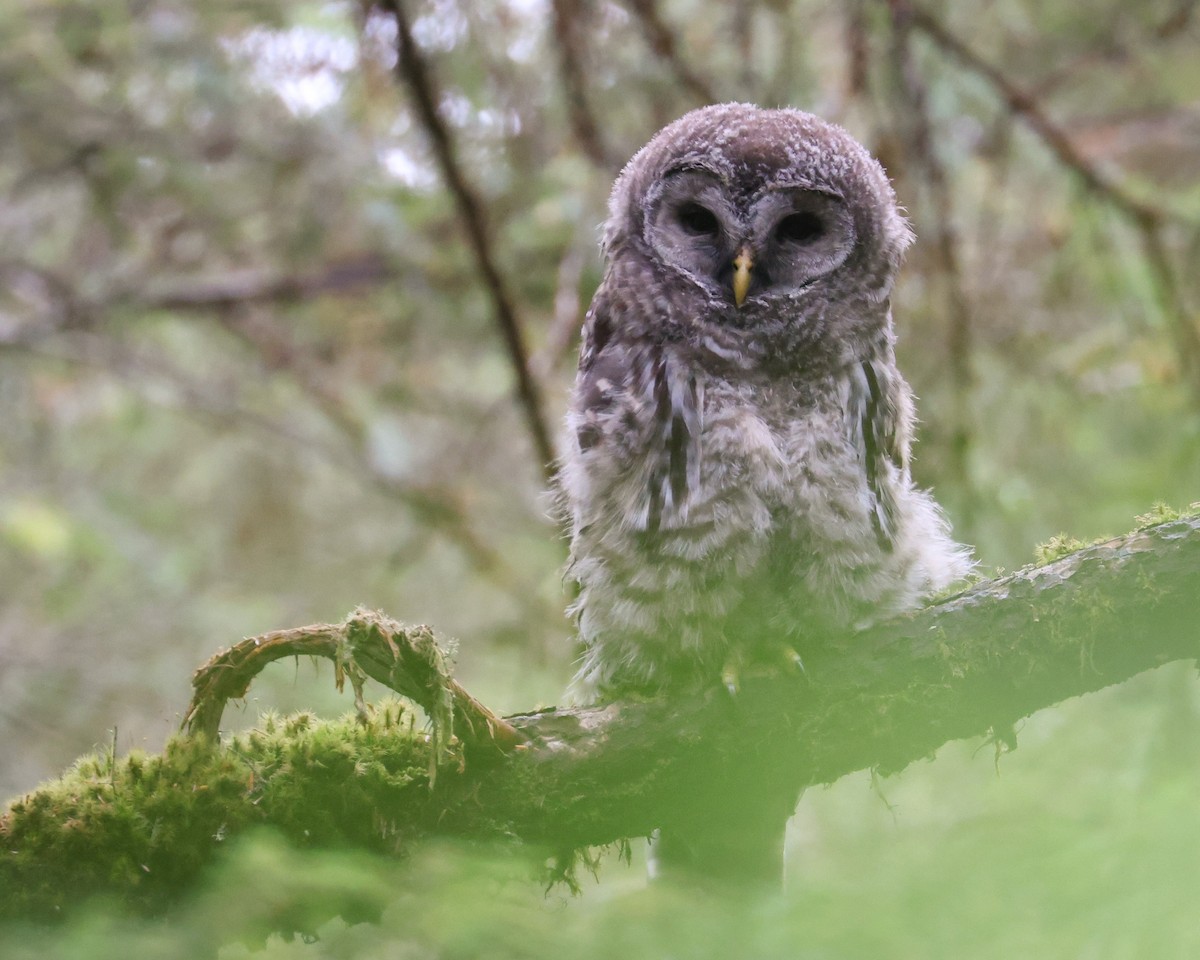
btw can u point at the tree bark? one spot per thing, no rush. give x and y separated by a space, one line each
972 664
708 764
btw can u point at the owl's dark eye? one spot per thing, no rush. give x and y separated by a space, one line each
799 228
698 220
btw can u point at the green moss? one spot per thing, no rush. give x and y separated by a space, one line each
1164 513
141 828
1063 544
1056 548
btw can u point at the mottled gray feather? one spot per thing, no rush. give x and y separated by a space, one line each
739 477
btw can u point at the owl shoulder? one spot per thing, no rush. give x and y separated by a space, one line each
622 373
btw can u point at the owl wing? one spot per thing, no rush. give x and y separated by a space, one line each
876 419
639 402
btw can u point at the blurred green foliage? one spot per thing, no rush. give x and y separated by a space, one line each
249 379
1076 846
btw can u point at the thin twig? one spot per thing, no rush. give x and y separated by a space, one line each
438 508
1026 106
568 314
413 71
858 52
780 88
240 287
741 28
1178 20
1147 218
958 340
662 41
66 309
571 59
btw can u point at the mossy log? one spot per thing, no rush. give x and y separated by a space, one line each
141 828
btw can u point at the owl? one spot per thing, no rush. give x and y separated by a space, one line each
736 473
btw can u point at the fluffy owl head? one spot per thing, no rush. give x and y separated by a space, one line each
768 215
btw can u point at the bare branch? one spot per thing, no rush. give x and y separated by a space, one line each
858 53
1026 106
1178 20
661 40
958 312
568 314
64 309
412 70
1148 218
439 508
240 287
571 59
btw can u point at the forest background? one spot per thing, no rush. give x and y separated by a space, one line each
252 374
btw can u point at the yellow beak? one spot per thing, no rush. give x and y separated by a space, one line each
743 263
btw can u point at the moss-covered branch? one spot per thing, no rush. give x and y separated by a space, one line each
408 660
141 828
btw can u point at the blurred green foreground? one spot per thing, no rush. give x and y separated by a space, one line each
1072 846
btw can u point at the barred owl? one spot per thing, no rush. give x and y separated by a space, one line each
736 477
